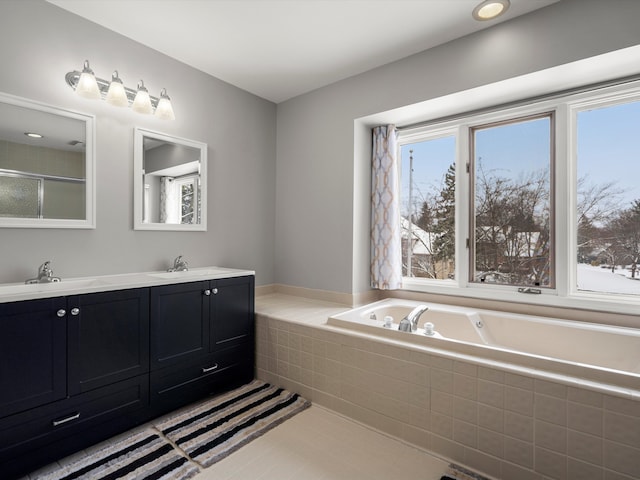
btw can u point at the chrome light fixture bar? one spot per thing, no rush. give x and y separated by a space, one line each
87 85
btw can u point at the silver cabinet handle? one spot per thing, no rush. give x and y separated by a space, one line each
215 291
75 311
209 369
61 313
207 292
75 416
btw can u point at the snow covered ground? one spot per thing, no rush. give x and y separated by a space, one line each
596 279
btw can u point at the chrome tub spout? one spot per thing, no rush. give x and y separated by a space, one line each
410 322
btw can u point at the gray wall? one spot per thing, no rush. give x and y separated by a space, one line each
39 44
322 216
302 220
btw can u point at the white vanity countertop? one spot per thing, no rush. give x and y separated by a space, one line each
12 292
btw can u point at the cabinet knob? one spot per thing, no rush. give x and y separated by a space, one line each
215 291
207 292
61 313
75 311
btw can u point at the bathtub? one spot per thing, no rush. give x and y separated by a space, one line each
600 357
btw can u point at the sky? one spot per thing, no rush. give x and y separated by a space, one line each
608 151
609 147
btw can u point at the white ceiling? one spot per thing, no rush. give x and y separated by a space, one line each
278 49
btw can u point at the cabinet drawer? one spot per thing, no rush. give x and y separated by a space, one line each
63 418
192 380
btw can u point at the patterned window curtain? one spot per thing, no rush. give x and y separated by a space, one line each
386 249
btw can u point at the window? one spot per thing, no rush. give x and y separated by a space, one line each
608 199
428 209
187 199
542 198
511 193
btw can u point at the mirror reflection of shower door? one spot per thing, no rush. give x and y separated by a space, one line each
20 197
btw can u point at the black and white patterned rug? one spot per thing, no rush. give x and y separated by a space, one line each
178 447
144 455
214 429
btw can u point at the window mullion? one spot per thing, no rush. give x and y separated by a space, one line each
565 201
463 179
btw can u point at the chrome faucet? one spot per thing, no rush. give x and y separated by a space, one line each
410 322
45 275
179 265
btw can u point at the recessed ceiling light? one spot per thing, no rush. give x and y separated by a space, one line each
33 135
490 9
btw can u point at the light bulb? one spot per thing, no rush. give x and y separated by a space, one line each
490 9
164 110
142 102
87 86
116 94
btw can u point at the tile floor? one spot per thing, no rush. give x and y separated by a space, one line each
318 444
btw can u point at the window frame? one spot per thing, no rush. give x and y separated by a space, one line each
471 184
434 134
563 171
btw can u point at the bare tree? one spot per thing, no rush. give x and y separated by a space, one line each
512 226
597 205
624 230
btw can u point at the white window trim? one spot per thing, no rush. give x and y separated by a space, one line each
565 293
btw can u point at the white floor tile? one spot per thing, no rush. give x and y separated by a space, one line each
320 445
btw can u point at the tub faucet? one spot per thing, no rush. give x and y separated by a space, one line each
179 265
410 322
45 275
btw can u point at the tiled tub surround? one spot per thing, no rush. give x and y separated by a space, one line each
505 421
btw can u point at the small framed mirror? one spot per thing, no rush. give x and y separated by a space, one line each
47 165
170 182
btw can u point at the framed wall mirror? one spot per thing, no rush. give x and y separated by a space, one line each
169 182
47 166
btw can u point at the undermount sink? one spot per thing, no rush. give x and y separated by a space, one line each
191 273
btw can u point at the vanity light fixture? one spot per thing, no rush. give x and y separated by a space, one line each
87 85
490 9
116 95
164 109
142 101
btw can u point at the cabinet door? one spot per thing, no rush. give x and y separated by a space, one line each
33 342
108 338
180 325
232 315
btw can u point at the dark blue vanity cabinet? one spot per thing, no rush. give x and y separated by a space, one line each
33 346
76 370
202 339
